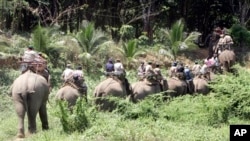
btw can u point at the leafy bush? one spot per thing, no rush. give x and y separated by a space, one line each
147 108
240 34
198 109
8 76
73 120
56 80
234 91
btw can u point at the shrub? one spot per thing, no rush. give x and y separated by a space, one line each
235 91
75 120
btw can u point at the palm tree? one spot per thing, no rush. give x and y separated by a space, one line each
175 39
130 51
90 41
44 40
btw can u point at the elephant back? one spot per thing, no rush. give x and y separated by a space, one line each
200 85
227 59
69 94
30 82
176 87
108 88
142 89
228 55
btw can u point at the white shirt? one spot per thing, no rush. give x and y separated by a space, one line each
30 56
225 40
228 40
67 73
204 69
118 67
148 68
79 73
196 68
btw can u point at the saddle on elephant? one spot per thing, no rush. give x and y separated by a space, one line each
152 78
33 61
120 76
76 83
38 65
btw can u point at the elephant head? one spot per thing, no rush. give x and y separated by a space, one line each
227 59
110 87
30 94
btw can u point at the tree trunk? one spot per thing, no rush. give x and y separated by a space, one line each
146 12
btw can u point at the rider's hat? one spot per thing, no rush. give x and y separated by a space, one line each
30 47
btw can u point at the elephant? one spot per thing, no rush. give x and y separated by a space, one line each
227 59
111 86
142 89
71 93
200 85
176 87
30 93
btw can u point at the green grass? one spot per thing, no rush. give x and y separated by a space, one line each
186 118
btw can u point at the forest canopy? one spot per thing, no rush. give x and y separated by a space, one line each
145 15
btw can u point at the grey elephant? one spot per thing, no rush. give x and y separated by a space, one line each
144 88
200 85
72 89
112 86
30 94
227 59
71 93
176 87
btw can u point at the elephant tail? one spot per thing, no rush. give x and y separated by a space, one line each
24 97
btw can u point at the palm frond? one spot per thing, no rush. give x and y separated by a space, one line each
40 39
90 39
175 39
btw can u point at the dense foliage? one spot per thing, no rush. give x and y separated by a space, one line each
146 15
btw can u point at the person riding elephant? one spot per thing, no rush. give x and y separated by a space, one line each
196 68
225 41
30 93
109 67
116 86
212 40
204 71
67 72
189 79
79 81
141 70
148 86
173 70
228 41
215 68
31 60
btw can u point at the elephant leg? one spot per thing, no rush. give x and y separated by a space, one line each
44 117
225 66
32 120
20 110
